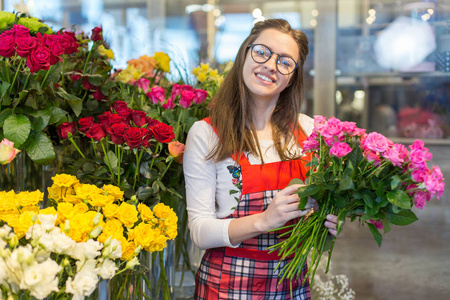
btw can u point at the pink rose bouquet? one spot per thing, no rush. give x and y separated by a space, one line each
356 175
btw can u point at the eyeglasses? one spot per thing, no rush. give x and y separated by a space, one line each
261 54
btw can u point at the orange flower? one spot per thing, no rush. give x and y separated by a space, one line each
176 149
146 64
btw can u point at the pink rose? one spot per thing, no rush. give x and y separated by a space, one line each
393 156
7 44
39 59
320 119
359 132
187 87
176 90
20 30
143 85
421 198
340 150
187 97
332 128
348 127
170 104
418 159
434 183
157 94
201 96
378 224
419 175
24 45
372 157
330 141
377 142
311 144
7 151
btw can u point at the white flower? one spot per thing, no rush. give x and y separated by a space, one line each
131 263
5 231
113 250
47 221
90 249
89 265
107 269
84 283
62 244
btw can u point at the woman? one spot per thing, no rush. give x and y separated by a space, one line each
238 164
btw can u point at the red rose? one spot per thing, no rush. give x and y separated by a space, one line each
135 136
65 128
39 59
200 96
163 133
114 119
96 132
187 97
104 119
85 123
117 131
176 89
7 44
53 42
87 85
138 117
97 34
75 77
151 122
69 42
98 95
21 31
24 45
122 109
187 87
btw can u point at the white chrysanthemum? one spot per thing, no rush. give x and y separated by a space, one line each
62 244
113 250
84 283
34 233
87 250
48 221
107 269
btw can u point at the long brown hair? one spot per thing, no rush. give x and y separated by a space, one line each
231 108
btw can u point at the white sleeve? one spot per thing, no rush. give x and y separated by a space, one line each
207 231
307 123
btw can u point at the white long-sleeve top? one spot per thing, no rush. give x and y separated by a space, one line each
208 184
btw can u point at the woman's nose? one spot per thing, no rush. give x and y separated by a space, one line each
271 64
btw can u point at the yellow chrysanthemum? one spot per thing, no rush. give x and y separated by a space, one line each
105 52
163 61
114 191
100 200
29 198
86 191
64 180
110 210
127 214
146 212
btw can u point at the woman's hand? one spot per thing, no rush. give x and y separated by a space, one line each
331 224
284 207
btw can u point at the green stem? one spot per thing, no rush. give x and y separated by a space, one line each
119 159
166 291
107 160
15 76
138 162
46 75
88 57
62 75
76 146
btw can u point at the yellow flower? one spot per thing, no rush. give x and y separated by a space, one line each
110 210
204 67
64 180
163 61
128 248
55 193
86 191
127 214
80 208
201 77
114 191
145 235
65 211
100 200
23 223
129 75
47 211
29 198
105 52
8 201
158 244
32 208
213 73
72 199
195 71
163 211
113 227
146 212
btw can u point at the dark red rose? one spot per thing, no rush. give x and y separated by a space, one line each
65 128
87 85
7 44
97 34
24 45
53 42
85 123
116 132
96 132
69 42
151 122
134 137
163 133
98 95
39 59
56 86
115 118
20 30
104 119
138 117
122 109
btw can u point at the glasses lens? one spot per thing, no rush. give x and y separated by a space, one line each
261 53
285 65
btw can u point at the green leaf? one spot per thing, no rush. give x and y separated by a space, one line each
399 198
40 149
376 234
308 190
3 89
144 193
395 181
348 169
368 197
88 167
233 192
387 226
296 181
302 203
339 201
75 103
16 128
113 160
56 114
41 119
4 114
402 218
346 183
95 79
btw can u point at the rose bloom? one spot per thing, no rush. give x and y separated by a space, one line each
122 109
378 224
340 150
187 97
377 142
69 42
421 198
170 104
349 127
176 90
311 144
176 149
151 122
134 137
117 131
163 133
7 151
145 64
98 95
24 45
97 34
7 44
40 59
200 96
143 85
332 128
87 85
138 118
157 94
65 128
96 132
393 156
86 123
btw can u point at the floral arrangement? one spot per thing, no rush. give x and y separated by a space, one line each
209 78
357 175
85 233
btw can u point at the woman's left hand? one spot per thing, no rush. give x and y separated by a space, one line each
331 224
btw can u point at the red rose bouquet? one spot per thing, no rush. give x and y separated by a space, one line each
356 175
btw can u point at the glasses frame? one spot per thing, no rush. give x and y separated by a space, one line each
272 53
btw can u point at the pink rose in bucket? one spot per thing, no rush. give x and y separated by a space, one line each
7 151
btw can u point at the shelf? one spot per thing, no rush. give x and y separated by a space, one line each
427 142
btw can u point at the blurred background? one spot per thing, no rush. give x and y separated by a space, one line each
384 64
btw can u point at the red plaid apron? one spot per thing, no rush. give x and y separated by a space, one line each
248 272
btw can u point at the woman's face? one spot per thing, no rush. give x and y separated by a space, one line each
263 80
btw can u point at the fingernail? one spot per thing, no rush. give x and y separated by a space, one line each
327 224
328 217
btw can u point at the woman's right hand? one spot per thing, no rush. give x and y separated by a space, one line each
284 207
